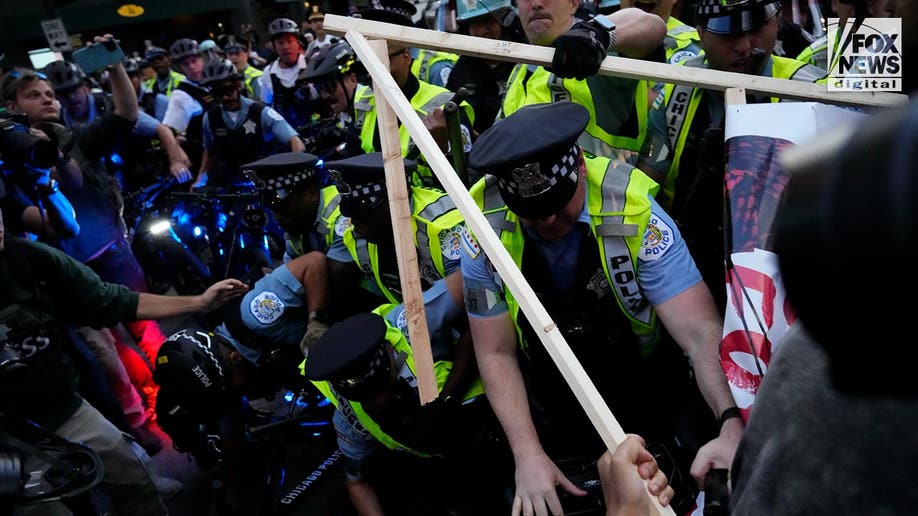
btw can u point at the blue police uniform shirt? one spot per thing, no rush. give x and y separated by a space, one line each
274 310
273 126
665 267
160 103
438 73
146 125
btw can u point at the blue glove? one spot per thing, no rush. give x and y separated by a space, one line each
580 51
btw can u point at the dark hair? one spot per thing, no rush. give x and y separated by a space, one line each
13 82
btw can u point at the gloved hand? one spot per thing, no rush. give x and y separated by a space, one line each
314 331
580 51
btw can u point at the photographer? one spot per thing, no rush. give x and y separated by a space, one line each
43 290
95 196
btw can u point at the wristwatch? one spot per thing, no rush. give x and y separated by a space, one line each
604 22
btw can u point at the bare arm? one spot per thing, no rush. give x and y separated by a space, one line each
296 144
694 323
153 306
123 94
637 33
536 475
178 160
364 499
312 271
56 220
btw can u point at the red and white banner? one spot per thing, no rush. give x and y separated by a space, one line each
758 314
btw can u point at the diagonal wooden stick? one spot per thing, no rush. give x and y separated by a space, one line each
591 401
617 66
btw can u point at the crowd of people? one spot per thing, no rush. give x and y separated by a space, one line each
607 193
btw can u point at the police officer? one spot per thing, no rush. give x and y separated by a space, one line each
305 210
80 107
166 78
43 290
322 39
683 150
153 104
333 72
486 80
367 247
609 265
580 45
283 85
237 130
237 50
190 100
425 98
364 365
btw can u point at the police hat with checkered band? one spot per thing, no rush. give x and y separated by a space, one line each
361 181
735 16
398 12
283 173
152 53
353 355
536 174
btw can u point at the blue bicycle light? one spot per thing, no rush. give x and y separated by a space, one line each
116 159
197 231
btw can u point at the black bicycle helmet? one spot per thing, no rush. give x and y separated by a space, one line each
63 75
219 70
134 65
283 26
331 61
189 363
152 53
183 48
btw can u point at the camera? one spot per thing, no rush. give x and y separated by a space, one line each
19 147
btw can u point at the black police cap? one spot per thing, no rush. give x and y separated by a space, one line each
361 181
535 156
353 356
282 173
398 12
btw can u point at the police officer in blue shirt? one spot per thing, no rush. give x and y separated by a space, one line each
237 130
607 262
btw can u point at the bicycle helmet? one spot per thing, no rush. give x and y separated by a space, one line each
219 70
152 53
63 75
283 26
331 61
183 48
134 65
470 9
189 362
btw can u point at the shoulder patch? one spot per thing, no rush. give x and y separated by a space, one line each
466 138
341 225
681 55
444 74
470 244
658 101
266 307
658 238
401 322
451 242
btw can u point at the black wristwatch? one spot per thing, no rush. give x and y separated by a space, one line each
604 22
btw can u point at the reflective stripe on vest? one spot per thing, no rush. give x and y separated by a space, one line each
427 98
529 84
682 102
420 67
251 74
402 347
432 212
619 211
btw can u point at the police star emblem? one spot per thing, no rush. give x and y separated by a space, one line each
249 127
530 181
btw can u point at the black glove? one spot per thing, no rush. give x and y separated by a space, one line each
580 51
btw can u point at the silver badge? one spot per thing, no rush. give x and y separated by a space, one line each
529 180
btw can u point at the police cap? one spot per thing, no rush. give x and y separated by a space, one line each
537 174
361 181
735 16
353 356
398 12
155 52
283 173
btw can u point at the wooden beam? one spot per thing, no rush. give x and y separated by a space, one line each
617 66
583 388
405 252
